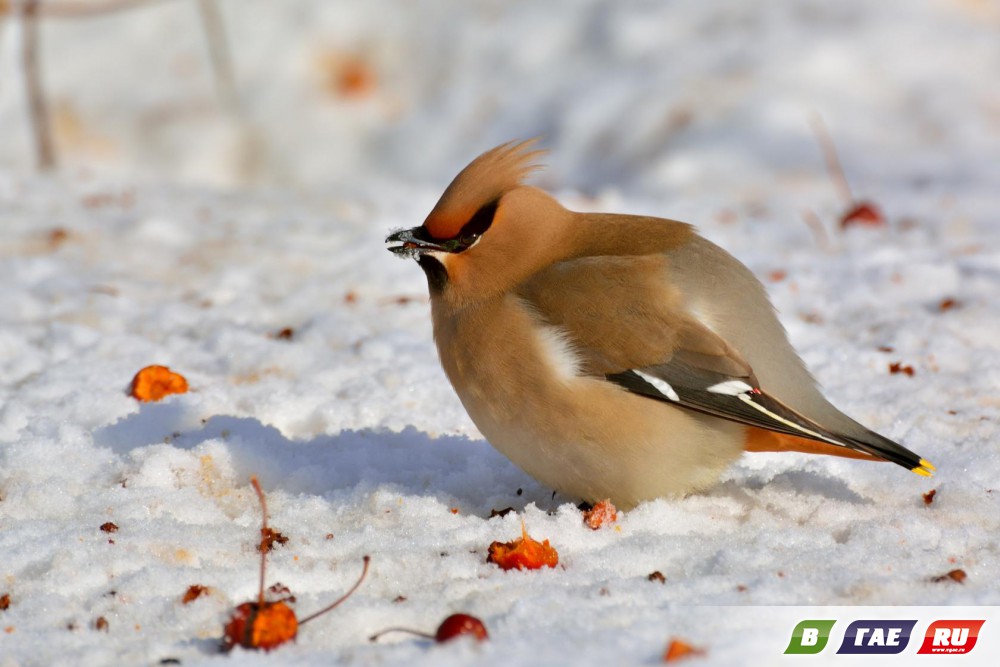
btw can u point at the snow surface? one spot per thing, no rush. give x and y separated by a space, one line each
691 110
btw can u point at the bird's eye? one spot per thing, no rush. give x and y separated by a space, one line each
454 245
478 224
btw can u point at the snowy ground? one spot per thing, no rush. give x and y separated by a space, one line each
129 257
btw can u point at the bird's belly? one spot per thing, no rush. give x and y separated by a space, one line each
592 440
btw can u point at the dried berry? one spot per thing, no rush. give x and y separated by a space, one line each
600 514
57 236
957 575
348 75
777 275
101 623
523 553
898 367
153 383
109 527
678 649
261 625
864 214
656 575
929 496
193 592
4 601
268 538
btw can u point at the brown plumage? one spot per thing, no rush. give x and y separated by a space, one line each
612 356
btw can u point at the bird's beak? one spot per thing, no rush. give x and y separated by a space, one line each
413 242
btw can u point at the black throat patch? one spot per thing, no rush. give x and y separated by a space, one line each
437 275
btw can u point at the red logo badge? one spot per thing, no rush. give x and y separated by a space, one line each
952 637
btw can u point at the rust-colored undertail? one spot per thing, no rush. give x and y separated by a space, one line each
760 440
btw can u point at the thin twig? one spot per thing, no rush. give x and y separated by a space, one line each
378 635
833 166
3 16
72 10
219 54
38 109
263 532
346 595
816 226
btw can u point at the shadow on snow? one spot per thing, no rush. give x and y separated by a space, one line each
451 468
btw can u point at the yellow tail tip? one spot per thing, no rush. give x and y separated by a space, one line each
925 469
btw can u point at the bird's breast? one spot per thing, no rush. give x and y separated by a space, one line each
502 360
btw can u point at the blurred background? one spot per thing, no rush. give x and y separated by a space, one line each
682 97
222 176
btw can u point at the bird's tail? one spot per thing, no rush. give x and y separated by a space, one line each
873 448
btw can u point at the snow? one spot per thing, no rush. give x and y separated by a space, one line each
695 111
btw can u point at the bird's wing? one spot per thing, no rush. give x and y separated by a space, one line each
634 330
705 374
699 378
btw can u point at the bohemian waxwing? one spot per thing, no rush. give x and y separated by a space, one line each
612 356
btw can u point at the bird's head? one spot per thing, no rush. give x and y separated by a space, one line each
488 228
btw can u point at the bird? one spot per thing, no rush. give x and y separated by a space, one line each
612 356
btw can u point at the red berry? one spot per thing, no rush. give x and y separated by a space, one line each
461 624
865 214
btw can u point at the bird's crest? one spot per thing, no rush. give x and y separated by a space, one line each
481 183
